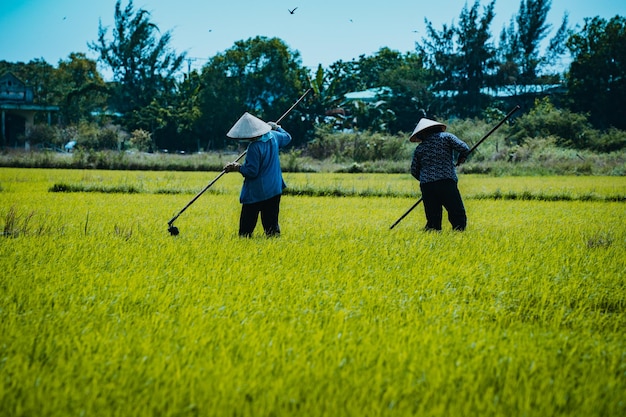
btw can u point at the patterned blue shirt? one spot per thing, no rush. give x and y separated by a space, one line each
433 158
263 177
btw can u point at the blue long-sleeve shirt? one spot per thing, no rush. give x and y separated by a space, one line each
433 158
263 178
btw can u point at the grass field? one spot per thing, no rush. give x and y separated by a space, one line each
102 312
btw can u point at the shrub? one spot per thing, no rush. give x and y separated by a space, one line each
110 137
611 140
87 135
42 134
67 134
357 146
544 119
141 140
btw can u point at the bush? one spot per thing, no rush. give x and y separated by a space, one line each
612 140
544 120
87 135
41 134
67 134
110 137
141 140
357 146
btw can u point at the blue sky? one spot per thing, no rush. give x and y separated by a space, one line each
323 31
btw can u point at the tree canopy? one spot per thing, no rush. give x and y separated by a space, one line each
141 60
458 70
259 75
597 75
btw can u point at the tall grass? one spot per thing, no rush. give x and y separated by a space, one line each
350 153
105 313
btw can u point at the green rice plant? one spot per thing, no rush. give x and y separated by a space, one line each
61 188
14 224
107 314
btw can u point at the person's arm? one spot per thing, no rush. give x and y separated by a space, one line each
251 167
415 166
460 147
282 137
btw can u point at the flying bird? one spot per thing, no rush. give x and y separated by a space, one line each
292 11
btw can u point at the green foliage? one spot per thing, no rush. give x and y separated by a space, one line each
597 75
521 59
374 152
87 136
446 76
140 58
262 76
544 120
42 134
81 188
66 134
358 147
79 88
612 140
461 57
141 140
567 129
111 137
17 224
402 77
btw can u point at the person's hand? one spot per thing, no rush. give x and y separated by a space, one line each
232 167
460 160
273 125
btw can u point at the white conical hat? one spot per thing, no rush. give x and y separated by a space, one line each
424 124
248 127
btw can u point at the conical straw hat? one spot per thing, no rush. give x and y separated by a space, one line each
424 124
248 127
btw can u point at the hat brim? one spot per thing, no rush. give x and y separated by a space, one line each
248 127
425 125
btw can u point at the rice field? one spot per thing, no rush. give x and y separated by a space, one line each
102 312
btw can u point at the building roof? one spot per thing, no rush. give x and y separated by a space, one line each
369 95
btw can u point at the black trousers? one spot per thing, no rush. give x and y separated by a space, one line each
439 194
269 217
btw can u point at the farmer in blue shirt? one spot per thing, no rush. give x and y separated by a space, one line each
263 178
433 166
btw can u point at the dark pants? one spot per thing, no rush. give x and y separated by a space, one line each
443 193
269 217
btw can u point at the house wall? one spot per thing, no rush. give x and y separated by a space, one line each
17 110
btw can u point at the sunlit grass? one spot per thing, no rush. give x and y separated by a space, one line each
102 312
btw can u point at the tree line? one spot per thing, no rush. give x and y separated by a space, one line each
459 70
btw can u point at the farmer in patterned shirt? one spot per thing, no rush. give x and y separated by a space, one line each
434 167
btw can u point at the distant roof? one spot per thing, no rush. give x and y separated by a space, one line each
13 90
27 107
515 90
106 113
10 77
512 90
371 94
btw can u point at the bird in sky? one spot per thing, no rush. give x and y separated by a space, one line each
292 11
